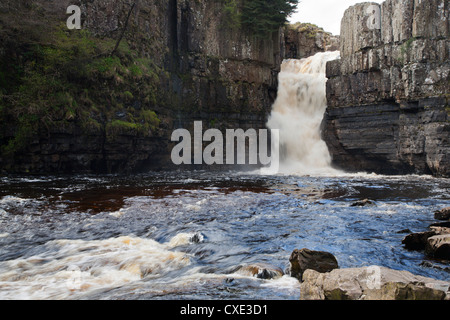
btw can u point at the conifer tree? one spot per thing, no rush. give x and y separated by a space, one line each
262 17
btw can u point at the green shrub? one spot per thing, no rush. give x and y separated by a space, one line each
128 95
119 127
151 119
69 75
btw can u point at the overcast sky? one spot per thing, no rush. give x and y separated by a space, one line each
327 14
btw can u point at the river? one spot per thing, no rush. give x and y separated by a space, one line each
183 234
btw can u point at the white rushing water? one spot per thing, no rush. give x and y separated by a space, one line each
190 235
72 267
298 112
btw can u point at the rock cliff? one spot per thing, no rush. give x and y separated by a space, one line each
304 39
388 108
179 61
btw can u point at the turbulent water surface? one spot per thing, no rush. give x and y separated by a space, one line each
201 234
298 112
182 235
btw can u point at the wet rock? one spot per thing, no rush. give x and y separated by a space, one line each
404 231
303 40
430 264
435 242
363 203
440 225
440 230
260 271
443 214
438 247
372 283
304 259
417 241
197 238
121 114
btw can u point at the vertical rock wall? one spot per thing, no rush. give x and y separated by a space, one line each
213 68
205 71
388 94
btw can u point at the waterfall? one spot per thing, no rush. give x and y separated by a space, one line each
298 112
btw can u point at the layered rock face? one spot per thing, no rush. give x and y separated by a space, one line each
388 94
217 74
206 70
304 39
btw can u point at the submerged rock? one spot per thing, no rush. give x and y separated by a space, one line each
197 238
372 283
260 271
430 264
304 259
363 203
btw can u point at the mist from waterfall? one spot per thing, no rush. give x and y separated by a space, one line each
298 112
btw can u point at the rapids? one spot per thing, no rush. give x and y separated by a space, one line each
181 235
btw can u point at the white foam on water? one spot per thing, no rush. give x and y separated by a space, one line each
73 267
182 239
13 200
285 282
298 113
119 213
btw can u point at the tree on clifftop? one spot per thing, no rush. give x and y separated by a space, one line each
259 17
266 16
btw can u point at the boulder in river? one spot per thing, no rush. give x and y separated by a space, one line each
304 259
420 240
372 283
417 241
363 203
443 214
438 247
